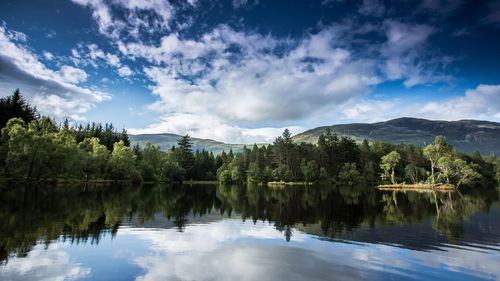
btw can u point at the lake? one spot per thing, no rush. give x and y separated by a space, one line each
209 232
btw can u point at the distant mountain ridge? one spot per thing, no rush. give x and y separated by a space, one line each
465 135
166 141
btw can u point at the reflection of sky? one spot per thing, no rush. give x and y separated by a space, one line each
52 264
234 250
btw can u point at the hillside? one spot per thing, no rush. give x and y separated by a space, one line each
465 135
166 141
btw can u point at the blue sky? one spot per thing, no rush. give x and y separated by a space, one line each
243 70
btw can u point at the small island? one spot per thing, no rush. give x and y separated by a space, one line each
448 169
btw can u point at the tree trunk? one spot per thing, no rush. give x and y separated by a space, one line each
393 177
432 172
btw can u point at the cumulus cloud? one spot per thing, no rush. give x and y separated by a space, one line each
242 81
406 56
125 71
133 18
252 85
15 35
72 74
113 60
48 55
235 80
20 67
92 54
483 102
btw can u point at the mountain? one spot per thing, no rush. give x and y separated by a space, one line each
465 135
166 141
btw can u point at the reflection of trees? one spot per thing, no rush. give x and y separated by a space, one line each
334 208
79 215
448 210
405 207
84 215
455 209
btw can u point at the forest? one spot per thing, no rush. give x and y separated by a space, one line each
37 148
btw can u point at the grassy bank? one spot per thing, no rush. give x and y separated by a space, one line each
418 186
191 182
283 183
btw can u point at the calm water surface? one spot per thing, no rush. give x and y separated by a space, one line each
247 233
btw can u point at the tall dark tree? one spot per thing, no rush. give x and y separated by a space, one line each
16 106
184 155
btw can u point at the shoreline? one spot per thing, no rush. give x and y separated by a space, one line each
419 186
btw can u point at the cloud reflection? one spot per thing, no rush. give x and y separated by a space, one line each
51 264
235 250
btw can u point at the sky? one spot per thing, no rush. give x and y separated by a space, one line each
240 71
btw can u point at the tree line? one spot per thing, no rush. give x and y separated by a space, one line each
36 148
340 159
33 147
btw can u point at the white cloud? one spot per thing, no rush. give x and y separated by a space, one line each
48 55
72 74
102 14
483 102
113 60
253 85
18 66
406 56
75 53
52 263
211 127
15 35
133 20
403 38
238 80
125 71
94 52
231 249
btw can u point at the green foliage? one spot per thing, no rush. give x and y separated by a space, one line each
254 173
170 169
415 174
388 165
184 155
349 176
28 151
434 152
95 158
310 170
121 164
225 176
333 156
107 134
150 162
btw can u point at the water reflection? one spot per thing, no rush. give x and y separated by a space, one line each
228 232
